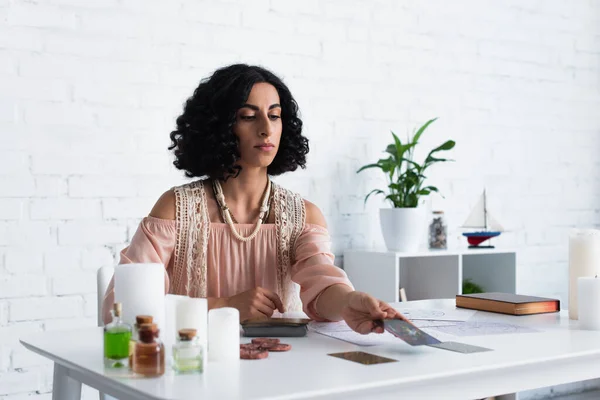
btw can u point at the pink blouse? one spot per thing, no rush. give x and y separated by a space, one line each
234 266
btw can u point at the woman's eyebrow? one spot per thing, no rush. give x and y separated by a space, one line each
255 108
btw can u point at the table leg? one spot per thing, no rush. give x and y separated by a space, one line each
64 387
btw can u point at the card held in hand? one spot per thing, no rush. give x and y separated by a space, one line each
408 332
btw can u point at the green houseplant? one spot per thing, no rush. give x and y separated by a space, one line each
470 287
402 224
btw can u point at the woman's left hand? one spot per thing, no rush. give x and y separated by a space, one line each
362 310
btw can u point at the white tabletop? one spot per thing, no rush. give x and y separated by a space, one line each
558 353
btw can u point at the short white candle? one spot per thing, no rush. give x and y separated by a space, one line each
223 334
589 303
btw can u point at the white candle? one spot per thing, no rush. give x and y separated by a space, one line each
223 334
140 288
191 313
584 260
589 303
170 333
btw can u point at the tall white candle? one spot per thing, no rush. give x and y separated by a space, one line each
140 288
589 303
223 334
584 260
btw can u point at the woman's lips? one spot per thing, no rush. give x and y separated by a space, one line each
265 147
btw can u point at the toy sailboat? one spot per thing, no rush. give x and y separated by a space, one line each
480 218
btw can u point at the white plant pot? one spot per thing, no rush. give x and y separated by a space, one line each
402 228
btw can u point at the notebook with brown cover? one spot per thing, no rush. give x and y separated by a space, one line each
508 303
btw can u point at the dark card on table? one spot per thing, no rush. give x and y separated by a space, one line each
460 347
362 357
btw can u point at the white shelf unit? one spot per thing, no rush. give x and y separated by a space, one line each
430 274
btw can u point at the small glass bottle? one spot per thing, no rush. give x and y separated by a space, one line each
149 356
188 352
438 231
116 340
139 320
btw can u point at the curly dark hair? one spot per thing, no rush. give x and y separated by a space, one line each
204 143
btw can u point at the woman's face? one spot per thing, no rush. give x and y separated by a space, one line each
258 126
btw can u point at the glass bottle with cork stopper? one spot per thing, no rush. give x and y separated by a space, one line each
139 320
117 335
188 352
149 356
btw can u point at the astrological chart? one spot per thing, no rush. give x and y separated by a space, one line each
473 328
437 314
423 314
341 331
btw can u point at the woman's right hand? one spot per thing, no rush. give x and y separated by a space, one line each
255 303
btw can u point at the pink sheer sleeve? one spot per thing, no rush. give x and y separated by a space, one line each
153 242
313 268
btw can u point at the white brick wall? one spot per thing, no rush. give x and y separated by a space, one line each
90 90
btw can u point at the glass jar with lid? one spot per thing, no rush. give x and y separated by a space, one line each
438 231
188 352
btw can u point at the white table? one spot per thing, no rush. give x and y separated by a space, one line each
559 353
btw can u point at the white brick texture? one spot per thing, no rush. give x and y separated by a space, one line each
20 261
90 91
45 308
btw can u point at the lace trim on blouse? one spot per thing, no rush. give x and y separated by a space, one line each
193 224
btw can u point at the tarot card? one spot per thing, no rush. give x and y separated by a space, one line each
408 332
460 347
362 357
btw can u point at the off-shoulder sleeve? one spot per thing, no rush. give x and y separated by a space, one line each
153 242
313 267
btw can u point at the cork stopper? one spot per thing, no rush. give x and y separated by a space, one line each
117 308
147 332
187 334
143 319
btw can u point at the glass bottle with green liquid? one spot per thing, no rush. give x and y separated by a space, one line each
116 340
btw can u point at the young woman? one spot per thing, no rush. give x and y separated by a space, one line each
234 236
